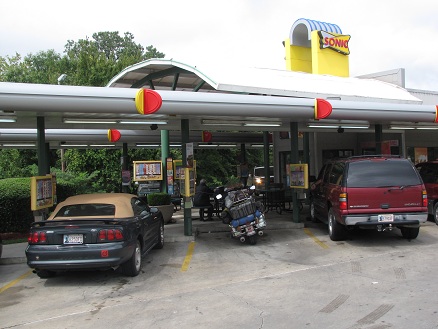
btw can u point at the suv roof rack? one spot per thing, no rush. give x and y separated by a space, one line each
364 157
375 156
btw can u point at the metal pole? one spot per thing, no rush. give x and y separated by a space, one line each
266 158
125 189
243 180
378 137
185 129
306 157
164 155
41 147
294 157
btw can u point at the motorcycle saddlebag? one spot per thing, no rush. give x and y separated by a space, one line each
243 209
242 221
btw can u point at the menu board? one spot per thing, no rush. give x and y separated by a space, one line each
41 192
178 169
298 174
148 170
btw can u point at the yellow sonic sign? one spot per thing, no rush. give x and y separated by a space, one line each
337 42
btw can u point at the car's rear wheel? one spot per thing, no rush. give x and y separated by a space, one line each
312 212
337 232
435 213
160 242
45 274
133 265
410 232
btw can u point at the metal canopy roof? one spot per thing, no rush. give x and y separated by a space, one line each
352 99
164 74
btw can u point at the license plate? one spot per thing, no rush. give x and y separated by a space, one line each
249 228
73 239
385 218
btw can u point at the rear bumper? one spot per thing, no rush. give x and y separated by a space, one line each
405 219
87 256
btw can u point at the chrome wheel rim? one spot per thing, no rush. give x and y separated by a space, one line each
330 224
435 214
161 234
137 258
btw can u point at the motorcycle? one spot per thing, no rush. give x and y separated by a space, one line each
244 215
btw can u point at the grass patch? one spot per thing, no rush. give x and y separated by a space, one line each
12 241
13 237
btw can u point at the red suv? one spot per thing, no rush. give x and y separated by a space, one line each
379 192
429 173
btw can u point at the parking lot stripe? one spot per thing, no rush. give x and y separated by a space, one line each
188 257
12 283
314 238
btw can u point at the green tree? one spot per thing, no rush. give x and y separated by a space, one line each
106 162
93 62
43 67
86 62
220 166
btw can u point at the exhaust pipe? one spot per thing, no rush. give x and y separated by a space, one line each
242 239
260 233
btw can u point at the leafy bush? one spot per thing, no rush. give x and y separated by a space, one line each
159 199
15 201
15 212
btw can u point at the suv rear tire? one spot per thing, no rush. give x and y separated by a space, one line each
435 213
312 212
337 231
410 232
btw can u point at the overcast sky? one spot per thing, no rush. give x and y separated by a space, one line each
385 34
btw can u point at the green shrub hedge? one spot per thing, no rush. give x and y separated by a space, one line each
159 199
15 212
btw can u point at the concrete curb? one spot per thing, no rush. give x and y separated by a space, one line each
13 260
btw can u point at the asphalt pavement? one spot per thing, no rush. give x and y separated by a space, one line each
174 232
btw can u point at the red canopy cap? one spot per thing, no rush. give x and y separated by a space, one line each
206 136
147 101
322 109
113 135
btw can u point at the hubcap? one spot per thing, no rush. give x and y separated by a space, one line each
137 258
330 224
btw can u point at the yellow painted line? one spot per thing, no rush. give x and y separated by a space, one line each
314 238
188 257
12 283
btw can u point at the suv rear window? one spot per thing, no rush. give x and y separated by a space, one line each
381 173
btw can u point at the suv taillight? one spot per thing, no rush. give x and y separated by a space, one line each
343 201
37 238
424 198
